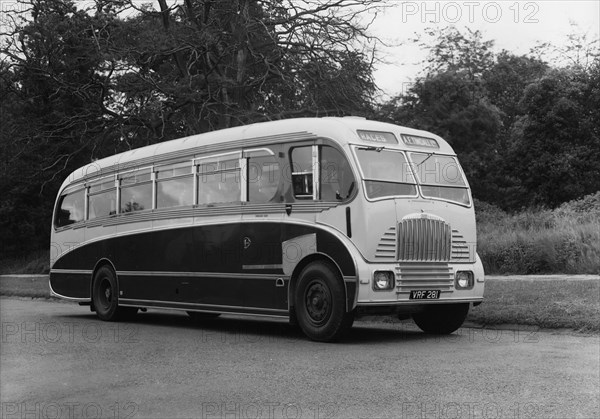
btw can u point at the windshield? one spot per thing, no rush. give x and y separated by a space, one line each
386 173
440 177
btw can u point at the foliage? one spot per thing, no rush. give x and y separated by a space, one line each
82 83
546 303
540 241
527 133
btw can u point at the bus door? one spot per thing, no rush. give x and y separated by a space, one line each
260 234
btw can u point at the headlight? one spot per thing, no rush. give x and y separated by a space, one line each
463 280
383 280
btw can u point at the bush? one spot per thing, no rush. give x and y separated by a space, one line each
541 241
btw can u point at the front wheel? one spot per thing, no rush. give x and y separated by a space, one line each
105 296
441 319
320 303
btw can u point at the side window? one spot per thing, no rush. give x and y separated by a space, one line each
70 209
102 199
263 178
136 191
174 185
219 182
302 172
337 180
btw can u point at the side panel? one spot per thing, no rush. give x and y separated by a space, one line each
234 265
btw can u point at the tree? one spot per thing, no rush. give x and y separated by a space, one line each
526 133
82 84
555 149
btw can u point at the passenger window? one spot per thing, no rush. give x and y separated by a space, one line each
174 185
136 191
70 209
103 204
302 172
136 198
175 192
337 179
219 182
263 178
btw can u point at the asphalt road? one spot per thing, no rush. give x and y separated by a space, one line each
59 361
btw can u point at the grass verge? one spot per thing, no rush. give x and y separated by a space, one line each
551 304
35 287
34 263
540 241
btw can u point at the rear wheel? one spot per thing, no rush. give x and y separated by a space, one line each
320 303
441 319
105 296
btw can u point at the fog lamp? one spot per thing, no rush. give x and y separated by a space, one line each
464 280
383 280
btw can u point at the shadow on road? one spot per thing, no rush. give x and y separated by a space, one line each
254 329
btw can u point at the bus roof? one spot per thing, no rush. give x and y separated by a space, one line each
344 130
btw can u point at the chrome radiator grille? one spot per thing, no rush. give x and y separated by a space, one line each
424 239
424 276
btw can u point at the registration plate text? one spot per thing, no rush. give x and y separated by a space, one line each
425 295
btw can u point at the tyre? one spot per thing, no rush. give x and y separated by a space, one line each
105 297
198 316
441 319
320 303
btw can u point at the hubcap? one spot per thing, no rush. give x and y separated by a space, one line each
105 293
318 302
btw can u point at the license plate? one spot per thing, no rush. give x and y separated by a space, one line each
425 295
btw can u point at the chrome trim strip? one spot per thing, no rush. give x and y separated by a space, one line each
274 266
204 275
133 300
71 271
418 302
193 152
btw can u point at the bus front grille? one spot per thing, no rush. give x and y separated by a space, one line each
461 251
424 239
424 276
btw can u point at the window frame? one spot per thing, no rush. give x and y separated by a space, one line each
254 153
69 190
100 181
235 155
363 178
466 186
157 168
315 172
120 176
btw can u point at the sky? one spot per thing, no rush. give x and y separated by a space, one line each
515 26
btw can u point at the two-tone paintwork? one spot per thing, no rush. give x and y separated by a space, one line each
243 257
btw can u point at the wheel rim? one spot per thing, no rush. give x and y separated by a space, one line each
318 302
105 294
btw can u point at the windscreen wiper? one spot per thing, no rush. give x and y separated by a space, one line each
426 158
372 148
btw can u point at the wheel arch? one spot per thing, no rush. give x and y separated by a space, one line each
307 260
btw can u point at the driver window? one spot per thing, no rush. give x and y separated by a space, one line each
337 179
